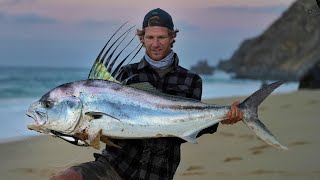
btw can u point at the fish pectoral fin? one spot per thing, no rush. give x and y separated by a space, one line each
95 139
191 137
98 115
104 139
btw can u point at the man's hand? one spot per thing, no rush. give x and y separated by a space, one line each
234 115
68 174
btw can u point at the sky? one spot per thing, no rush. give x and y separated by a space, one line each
71 33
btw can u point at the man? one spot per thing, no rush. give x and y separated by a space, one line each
150 158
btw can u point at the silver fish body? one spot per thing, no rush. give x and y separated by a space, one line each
102 108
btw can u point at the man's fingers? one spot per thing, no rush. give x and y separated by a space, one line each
229 114
68 174
236 115
233 115
236 103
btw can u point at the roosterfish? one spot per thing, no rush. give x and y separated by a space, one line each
102 108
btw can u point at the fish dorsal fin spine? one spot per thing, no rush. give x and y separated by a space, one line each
103 67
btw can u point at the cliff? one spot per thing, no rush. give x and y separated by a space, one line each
286 50
202 67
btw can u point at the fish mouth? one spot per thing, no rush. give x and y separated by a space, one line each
39 118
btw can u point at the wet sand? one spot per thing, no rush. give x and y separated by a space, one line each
233 152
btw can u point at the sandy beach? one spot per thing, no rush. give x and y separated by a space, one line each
233 152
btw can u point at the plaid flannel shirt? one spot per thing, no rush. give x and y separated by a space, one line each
154 158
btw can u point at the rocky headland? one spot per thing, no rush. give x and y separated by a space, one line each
286 50
202 67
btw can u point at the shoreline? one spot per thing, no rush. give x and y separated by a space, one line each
232 153
15 139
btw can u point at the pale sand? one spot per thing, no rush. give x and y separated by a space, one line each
233 152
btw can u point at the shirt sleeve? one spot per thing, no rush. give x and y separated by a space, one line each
197 88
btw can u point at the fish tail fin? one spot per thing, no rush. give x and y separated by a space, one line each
251 119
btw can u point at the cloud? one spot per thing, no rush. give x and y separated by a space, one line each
10 3
2 16
221 19
97 23
32 19
26 19
186 26
246 9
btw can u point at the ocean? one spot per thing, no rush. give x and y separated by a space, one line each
21 86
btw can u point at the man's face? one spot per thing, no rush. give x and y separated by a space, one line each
157 42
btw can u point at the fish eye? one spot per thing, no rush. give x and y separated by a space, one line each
47 104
